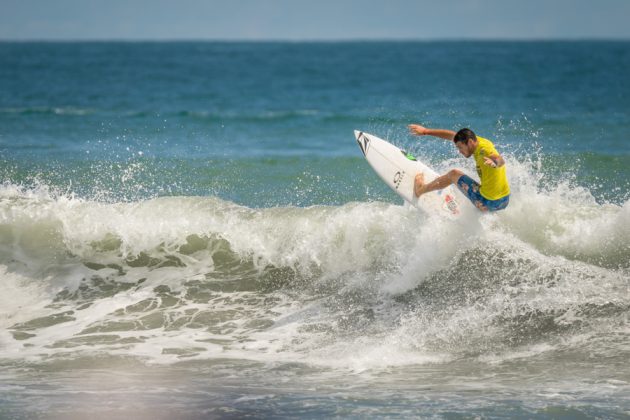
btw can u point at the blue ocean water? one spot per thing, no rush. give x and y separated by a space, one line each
190 229
191 117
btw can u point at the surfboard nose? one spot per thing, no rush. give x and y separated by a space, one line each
357 133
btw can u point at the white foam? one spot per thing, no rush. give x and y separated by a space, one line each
376 251
20 299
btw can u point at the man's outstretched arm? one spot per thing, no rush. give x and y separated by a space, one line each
419 130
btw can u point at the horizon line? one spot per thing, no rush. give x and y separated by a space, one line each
315 40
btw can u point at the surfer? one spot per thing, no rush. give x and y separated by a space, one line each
493 193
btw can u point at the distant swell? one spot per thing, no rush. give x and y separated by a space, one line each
72 111
208 115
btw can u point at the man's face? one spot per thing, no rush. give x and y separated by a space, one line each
466 148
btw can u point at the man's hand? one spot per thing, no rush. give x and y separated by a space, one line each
489 162
495 161
417 130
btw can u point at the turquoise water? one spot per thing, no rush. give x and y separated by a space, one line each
189 230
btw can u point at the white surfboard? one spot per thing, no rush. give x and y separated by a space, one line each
398 170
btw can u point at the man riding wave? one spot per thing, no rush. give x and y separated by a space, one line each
494 191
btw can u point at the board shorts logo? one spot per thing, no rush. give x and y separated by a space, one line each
364 143
398 177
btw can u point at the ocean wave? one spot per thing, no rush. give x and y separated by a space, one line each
307 283
325 237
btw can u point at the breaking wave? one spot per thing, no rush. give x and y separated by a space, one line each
365 284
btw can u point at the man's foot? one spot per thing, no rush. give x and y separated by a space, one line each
418 184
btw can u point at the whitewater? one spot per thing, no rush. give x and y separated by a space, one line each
361 289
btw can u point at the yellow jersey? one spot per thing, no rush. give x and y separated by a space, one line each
494 184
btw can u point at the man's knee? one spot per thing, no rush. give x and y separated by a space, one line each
454 175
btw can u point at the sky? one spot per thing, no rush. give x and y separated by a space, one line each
301 20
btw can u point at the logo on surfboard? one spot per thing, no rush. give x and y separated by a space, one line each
409 156
451 204
364 143
398 177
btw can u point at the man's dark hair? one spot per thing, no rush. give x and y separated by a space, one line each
464 135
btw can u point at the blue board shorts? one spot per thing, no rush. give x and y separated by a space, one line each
470 188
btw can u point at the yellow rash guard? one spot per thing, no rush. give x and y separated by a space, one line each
494 184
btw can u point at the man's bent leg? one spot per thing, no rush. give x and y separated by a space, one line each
438 183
